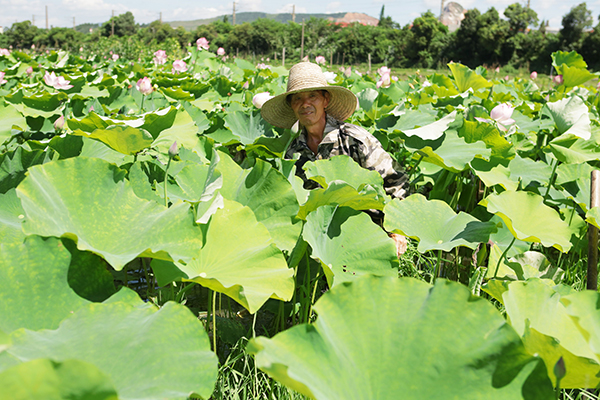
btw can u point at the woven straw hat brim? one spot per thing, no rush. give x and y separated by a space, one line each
305 77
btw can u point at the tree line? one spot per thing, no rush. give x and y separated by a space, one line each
518 40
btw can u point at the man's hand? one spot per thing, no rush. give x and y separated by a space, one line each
401 243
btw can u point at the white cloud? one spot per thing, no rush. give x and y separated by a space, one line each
287 8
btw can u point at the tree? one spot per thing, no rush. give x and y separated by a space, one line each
386 22
124 25
573 25
425 41
520 18
21 34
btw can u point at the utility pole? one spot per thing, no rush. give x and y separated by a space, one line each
294 13
32 19
112 24
528 1
233 13
73 23
441 10
161 17
46 17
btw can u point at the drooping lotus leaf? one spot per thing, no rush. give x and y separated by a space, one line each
593 216
529 219
49 380
466 78
349 245
473 131
246 127
146 353
388 338
10 117
240 259
11 215
38 104
574 76
96 149
453 153
526 170
554 325
268 193
124 139
493 172
571 59
343 168
86 199
571 116
572 149
434 130
435 224
38 296
183 131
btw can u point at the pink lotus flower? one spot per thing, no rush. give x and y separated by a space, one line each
347 72
330 76
501 114
2 80
57 82
558 79
160 57
262 66
220 51
305 59
261 98
144 85
320 60
29 70
497 69
384 70
115 57
173 150
202 43
4 52
384 81
533 75
179 66
246 85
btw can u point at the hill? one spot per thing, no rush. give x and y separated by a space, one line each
242 17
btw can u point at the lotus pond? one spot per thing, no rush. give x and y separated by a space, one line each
153 237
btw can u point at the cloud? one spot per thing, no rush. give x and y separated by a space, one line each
287 8
335 6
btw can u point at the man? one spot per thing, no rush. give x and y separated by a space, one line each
320 110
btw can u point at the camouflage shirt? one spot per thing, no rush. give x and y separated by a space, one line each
340 138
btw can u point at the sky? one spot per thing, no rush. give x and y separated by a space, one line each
64 12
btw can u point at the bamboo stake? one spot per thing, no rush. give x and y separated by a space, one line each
592 273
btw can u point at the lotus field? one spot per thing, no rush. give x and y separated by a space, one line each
148 221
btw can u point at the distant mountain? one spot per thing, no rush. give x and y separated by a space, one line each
242 17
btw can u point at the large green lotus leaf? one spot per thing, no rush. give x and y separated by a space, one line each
241 260
503 238
343 168
195 182
529 219
434 130
526 170
147 353
349 245
473 131
183 131
388 338
570 115
89 123
454 153
247 127
11 216
573 76
85 199
96 149
41 104
534 305
572 149
493 173
124 139
411 119
340 193
49 380
571 59
572 172
10 117
37 295
435 224
268 193
466 78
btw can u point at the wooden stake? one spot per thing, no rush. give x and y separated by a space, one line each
592 273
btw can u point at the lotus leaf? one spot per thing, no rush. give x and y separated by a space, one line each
124 139
48 380
246 127
240 259
529 219
349 244
11 215
554 325
86 199
465 78
380 338
434 130
10 118
39 296
435 224
121 338
571 116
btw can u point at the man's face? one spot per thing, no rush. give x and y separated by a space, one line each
309 107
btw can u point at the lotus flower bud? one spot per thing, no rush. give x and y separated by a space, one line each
59 123
220 51
261 98
144 85
558 79
533 75
560 369
173 150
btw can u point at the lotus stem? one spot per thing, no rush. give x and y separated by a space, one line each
214 320
165 182
552 177
437 267
503 256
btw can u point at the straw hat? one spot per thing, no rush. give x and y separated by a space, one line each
305 77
